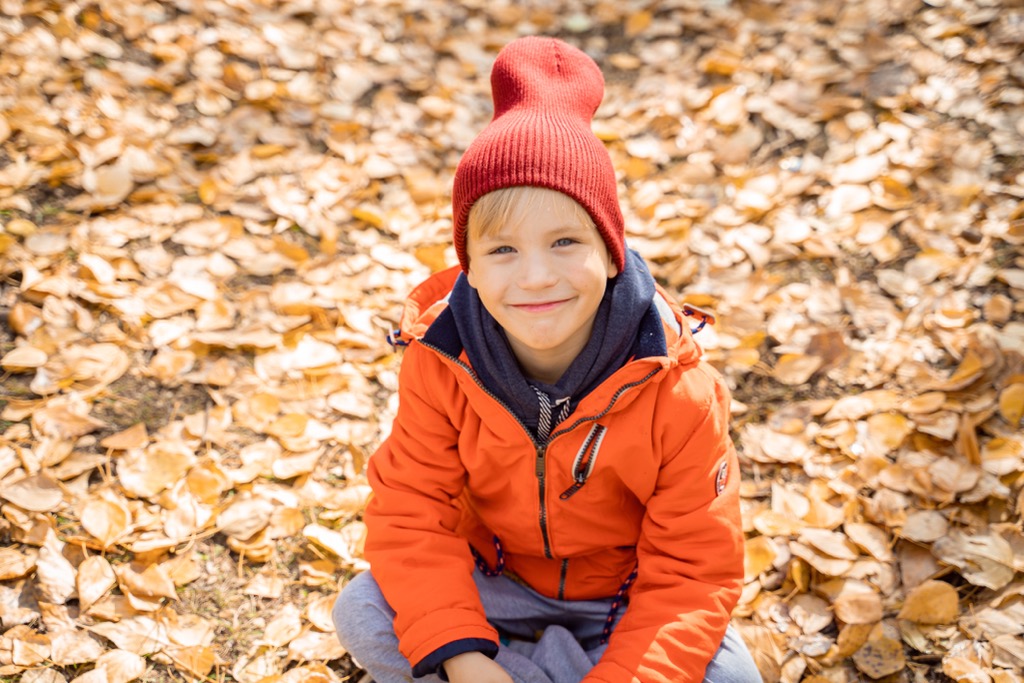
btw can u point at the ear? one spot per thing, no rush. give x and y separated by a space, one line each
471 277
612 268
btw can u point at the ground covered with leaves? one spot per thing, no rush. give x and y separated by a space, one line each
210 212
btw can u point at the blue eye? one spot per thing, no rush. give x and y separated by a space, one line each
502 250
564 242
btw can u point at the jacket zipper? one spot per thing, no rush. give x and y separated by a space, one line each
541 448
583 465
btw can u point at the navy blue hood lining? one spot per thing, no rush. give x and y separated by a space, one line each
628 305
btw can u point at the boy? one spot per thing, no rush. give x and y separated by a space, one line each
558 498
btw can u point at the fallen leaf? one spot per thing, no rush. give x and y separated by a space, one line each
105 520
932 602
95 577
879 657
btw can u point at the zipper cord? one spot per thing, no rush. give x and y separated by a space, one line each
617 601
481 563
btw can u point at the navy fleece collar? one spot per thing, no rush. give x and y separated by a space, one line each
627 325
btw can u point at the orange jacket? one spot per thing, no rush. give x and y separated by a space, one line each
643 473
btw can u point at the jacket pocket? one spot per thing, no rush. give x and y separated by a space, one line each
583 465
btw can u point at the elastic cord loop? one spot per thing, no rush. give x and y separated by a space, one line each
617 601
482 565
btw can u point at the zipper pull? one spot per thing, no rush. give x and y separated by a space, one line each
571 491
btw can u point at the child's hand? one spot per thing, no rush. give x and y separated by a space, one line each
475 667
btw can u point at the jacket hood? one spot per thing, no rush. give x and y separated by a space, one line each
429 301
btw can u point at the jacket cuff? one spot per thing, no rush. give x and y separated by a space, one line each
434 662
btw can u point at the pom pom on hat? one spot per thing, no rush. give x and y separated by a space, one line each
545 93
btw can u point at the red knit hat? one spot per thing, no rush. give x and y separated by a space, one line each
545 93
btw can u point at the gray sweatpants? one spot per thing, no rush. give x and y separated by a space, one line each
364 622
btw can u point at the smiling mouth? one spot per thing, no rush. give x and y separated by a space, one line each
540 306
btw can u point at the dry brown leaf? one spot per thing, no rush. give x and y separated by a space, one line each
146 472
245 517
15 564
319 612
831 543
23 359
924 526
55 576
313 645
963 670
197 660
139 634
121 666
828 566
38 493
29 648
879 657
284 627
95 578
932 602
857 603
983 559
152 582
105 520
795 369
135 436
74 647
870 538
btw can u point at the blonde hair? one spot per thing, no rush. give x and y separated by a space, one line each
498 207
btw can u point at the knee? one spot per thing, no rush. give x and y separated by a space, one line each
356 610
733 662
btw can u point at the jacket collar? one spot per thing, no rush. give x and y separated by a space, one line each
426 317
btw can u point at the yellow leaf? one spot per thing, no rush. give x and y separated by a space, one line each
760 553
928 402
1011 403
432 256
291 425
889 429
267 151
969 371
932 602
197 659
637 22
368 215
135 436
208 191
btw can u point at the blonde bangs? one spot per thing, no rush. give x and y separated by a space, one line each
503 206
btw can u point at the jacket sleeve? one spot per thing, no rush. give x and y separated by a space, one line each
423 567
690 549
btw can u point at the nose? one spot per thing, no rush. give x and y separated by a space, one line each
536 271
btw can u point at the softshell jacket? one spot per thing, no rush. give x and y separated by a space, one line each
642 475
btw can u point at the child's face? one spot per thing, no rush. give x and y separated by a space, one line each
542 276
